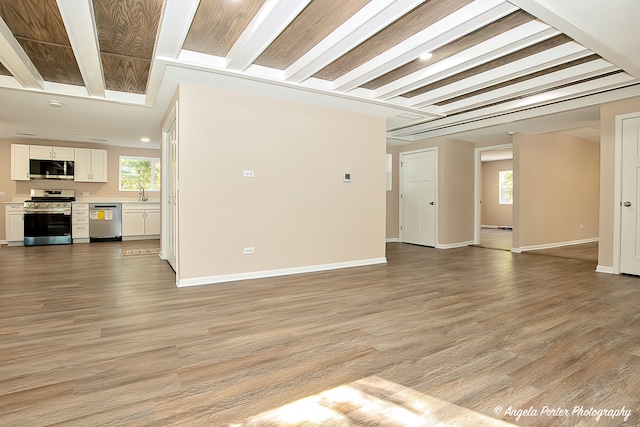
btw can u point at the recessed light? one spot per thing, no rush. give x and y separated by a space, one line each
145 139
55 104
426 55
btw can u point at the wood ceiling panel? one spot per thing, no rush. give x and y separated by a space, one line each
498 27
4 71
127 27
521 79
319 19
413 22
35 20
217 25
55 63
523 53
125 74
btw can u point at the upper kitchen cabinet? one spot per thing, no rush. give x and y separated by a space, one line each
41 152
19 162
90 165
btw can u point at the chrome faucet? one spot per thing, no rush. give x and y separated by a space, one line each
141 195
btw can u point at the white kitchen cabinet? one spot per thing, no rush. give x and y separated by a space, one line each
14 222
19 162
80 222
90 165
43 152
140 220
152 222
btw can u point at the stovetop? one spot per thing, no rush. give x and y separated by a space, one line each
52 196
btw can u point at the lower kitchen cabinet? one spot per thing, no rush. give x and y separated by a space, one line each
14 222
80 222
140 220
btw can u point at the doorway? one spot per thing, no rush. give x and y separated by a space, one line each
493 207
170 191
629 209
418 196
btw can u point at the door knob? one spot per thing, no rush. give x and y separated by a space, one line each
626 204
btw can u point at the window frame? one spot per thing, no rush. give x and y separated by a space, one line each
502 188
154 179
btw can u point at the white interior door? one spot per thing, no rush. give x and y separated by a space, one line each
418 197
630 216
172 199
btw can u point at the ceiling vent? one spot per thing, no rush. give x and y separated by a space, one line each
411 116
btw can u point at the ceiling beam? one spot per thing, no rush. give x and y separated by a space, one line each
272 18
602 26
537 84
14 58
511 41
360 27
80 23
549 58
175 21
582 89
545 110
461 22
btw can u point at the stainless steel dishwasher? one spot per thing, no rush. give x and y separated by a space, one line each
105 221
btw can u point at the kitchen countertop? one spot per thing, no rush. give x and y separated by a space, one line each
92 200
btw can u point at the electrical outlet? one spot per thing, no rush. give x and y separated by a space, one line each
248 174
85 193
248 251
1 193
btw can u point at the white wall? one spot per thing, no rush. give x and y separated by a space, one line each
297 211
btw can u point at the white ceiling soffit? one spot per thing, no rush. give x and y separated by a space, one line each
461 92
495 155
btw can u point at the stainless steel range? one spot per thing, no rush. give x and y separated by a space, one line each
47 217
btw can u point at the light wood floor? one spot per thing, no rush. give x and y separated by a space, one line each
91 337
496 238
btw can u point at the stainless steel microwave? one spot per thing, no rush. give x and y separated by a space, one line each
50 169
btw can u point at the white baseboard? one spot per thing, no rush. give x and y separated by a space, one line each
454 245
496 226
149 237
516 250
279 272
393 239
605 269
555 245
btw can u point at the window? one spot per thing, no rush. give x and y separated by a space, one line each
506 187
139 172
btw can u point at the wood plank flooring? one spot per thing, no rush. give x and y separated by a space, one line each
91 337
496 238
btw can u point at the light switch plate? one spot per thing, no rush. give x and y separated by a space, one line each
248 174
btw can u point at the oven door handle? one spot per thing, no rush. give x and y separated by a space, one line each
49 212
